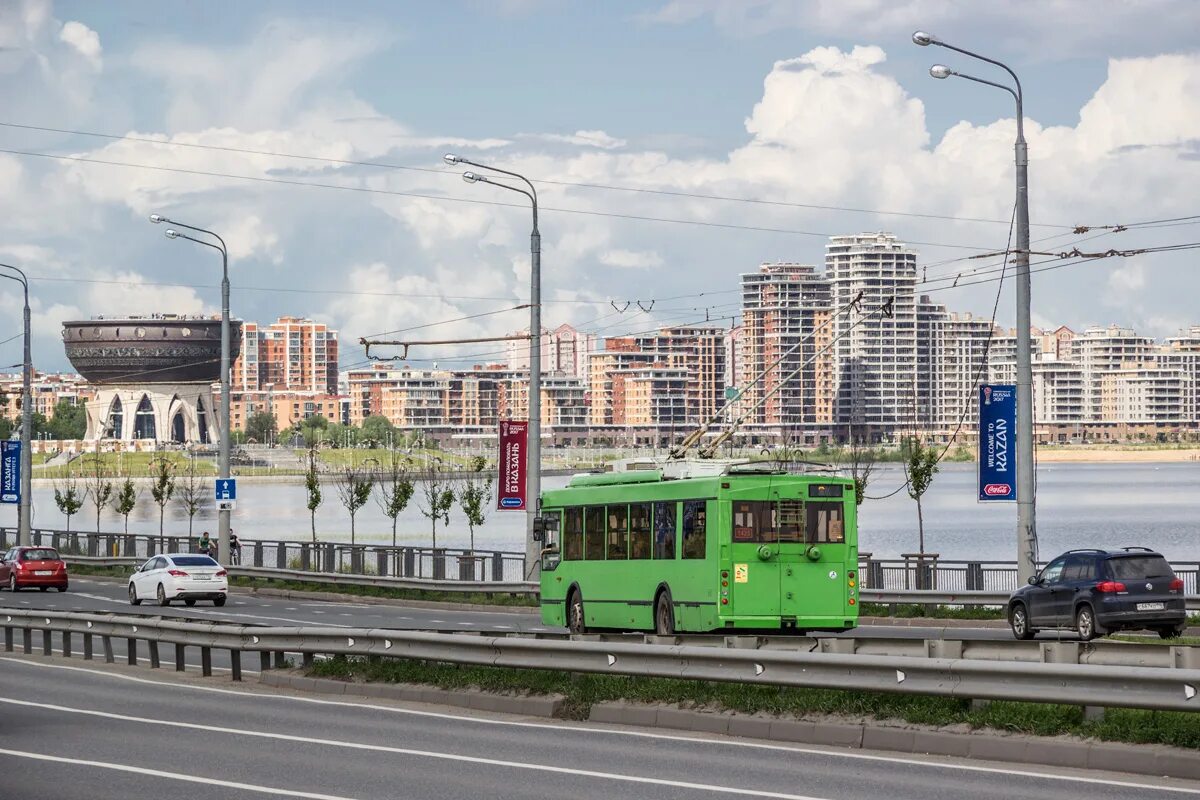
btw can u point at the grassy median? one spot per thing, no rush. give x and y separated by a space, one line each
581 691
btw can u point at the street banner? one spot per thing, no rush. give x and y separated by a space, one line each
10 471
514 439
997 435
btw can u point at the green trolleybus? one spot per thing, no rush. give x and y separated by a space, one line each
701 546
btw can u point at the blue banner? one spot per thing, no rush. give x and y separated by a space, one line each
997 437
10 471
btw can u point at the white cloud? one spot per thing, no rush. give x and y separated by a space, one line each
629 259
832 127
85 41
598 139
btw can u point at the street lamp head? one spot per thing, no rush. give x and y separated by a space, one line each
941 71
925 39
157 218
452 159
473 177
172 233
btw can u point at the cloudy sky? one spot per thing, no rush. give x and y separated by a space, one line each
674 144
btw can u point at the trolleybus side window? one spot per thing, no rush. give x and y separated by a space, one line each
695 528
666 524
826 523
572 534
594 534
618 531
639 530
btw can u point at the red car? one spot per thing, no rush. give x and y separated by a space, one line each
42 567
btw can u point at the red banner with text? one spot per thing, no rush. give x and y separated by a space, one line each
514 438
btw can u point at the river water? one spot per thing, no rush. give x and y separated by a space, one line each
1079 505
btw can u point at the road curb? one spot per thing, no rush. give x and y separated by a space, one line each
1137 759
530 706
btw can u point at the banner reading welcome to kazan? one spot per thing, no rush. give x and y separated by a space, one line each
514 437
997 435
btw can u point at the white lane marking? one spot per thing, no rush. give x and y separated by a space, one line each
503 627
121 600
407 751
247 787
337 605
665 737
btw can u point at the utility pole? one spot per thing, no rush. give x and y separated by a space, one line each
25 505
1026 501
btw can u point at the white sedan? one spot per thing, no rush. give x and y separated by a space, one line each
179 576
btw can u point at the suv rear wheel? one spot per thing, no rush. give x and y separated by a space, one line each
1172 631
1085 623
1018 620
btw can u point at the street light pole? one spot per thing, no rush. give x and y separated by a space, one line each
25 505
533 476
1026 501
223 514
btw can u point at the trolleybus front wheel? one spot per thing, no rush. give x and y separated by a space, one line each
575 621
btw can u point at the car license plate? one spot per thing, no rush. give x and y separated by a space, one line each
1150 606
202 577
43 572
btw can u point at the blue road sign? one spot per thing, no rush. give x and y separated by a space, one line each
10 471
226 488
997 456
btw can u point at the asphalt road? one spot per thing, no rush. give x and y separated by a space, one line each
108 596
75 732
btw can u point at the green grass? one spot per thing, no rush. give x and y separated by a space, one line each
134 464
581 691
919 611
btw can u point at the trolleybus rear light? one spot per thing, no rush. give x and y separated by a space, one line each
851 601
851 574
724 601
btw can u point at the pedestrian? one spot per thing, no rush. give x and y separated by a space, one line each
235 548
205 543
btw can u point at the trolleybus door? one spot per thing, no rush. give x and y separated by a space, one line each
815 579
754 551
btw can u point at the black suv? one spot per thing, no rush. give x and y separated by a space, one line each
1096 592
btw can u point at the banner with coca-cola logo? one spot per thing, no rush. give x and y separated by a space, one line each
514 439
997 437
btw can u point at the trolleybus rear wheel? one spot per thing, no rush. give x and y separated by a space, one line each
664 614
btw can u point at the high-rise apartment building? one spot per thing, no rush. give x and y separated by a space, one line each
1103 350
291 354
876 351
786 318
564 351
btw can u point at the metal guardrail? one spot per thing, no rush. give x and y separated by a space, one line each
883 597
942 674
